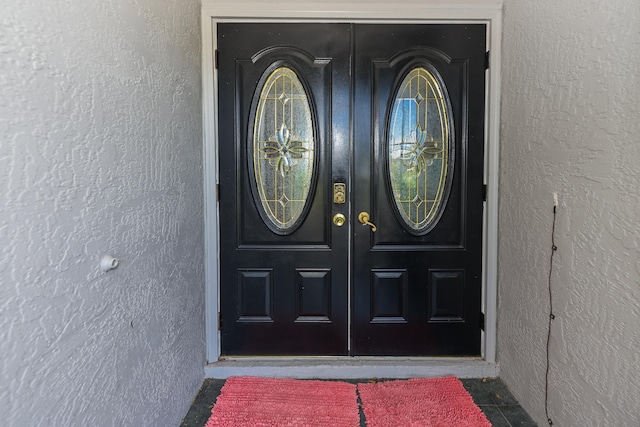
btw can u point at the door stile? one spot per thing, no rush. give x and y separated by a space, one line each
350 216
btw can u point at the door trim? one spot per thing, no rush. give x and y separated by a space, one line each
488 12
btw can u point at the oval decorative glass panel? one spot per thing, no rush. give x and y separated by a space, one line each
420 150
283 150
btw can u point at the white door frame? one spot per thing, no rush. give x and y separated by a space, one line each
378 11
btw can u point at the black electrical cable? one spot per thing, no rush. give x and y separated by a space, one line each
554 248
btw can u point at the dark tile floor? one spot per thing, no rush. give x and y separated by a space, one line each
497 403
490 394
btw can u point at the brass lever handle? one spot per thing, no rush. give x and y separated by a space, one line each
364 218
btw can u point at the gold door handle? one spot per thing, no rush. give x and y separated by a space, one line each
364 218
339 219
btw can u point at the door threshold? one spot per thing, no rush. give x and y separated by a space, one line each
328 367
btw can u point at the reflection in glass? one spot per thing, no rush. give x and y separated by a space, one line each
419 149
283 148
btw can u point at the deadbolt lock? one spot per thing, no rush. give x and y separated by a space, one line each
339 193
339 219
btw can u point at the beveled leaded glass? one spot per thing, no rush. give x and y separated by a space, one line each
419 150
283 148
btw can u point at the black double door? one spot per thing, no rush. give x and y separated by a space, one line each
351 177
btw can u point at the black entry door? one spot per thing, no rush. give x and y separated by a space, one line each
350 188
419 132
283 110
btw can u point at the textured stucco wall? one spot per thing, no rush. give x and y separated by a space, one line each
571 124
100 133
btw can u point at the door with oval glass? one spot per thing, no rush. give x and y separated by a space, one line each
351 170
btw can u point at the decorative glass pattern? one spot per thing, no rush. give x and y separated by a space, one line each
283 148
419 149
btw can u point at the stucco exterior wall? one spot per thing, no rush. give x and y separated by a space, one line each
571 125
100 153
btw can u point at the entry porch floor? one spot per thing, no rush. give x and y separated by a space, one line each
490 394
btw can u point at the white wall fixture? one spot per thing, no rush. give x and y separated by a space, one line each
109 263
487 12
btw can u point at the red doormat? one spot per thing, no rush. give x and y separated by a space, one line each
423 402
268 402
